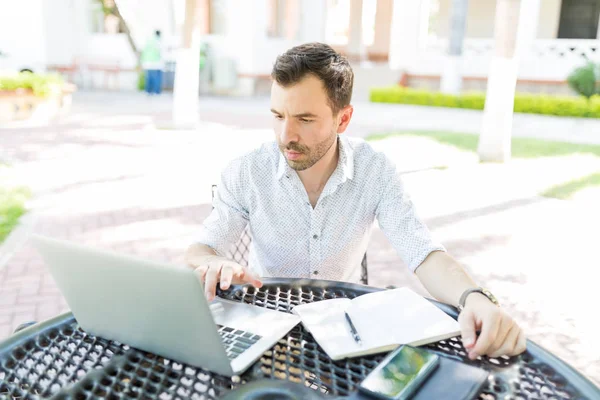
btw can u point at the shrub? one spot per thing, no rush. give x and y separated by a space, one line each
12 207
524 103
584 80
141 82
40 84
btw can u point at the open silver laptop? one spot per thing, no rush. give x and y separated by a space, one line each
160 308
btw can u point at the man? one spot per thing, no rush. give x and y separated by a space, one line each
152 63
311 197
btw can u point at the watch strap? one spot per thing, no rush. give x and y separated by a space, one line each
486 293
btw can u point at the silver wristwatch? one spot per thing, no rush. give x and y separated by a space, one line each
485 292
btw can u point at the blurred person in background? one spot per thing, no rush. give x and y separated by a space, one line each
153 64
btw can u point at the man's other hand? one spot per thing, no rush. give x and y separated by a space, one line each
499 333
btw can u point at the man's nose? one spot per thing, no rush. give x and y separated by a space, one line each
287 134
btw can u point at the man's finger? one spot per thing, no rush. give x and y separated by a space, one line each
508 344
467 322
521 343
227 272
489 331
210 285
201 272
248 276
505 327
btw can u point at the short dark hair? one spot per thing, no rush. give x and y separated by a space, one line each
322 61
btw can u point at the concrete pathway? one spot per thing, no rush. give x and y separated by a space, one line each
105 176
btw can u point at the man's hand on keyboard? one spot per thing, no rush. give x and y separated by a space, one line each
213 269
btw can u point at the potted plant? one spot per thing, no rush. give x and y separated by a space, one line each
28 95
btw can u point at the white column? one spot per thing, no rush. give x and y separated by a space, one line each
355 48
405 39
171 16
495 139
186 86
59 21
313 18
527 31
292 19
383 27
247 45
81 26
247 23
451 79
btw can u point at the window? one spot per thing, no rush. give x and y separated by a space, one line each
579 19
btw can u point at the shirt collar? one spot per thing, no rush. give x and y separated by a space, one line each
283 168
345 162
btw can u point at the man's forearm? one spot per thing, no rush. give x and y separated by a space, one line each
197 252
444 277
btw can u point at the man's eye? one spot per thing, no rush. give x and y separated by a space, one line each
305 120
277 116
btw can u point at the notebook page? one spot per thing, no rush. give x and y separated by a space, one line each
406 316
326 321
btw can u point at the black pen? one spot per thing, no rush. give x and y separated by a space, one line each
353 329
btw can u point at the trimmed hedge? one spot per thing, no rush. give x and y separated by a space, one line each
40 84
564 106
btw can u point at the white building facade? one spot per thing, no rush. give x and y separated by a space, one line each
385 39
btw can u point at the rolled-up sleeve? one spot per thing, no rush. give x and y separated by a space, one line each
229 216
399 221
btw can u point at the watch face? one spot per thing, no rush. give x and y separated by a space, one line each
490 296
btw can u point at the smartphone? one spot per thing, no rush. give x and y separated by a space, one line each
400 374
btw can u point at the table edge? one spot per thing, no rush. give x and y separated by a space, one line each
572 376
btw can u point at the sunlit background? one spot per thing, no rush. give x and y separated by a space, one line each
87 155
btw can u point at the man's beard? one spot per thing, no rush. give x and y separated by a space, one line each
311 155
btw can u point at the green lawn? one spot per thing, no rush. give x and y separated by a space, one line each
12 203
521 148
568 189
12 206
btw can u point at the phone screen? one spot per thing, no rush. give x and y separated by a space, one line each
400 374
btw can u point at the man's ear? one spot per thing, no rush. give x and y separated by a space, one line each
344 117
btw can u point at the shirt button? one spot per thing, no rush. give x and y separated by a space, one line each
315 272
315 236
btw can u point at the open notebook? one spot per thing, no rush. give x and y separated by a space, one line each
383 321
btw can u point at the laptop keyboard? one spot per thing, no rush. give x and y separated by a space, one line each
236 341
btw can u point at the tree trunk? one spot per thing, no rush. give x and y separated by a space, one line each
495 139
187 72
452 76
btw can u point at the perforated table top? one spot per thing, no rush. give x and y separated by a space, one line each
57 358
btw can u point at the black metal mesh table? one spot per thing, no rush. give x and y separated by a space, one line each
56 358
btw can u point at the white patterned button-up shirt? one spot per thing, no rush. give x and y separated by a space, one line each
290 238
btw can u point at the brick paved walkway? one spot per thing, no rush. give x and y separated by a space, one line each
105 177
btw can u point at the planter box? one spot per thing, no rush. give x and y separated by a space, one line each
22 104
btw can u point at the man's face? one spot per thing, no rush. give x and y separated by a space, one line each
304 124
